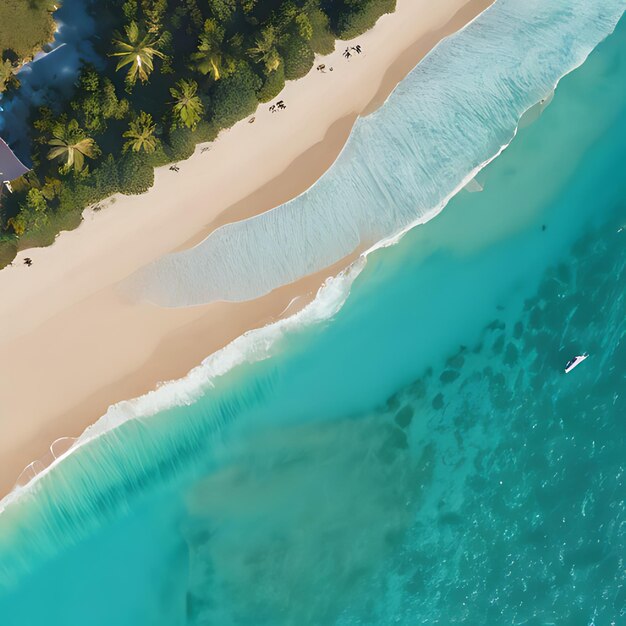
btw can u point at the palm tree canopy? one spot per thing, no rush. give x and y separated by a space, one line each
211 57
71 144
140 134
187 106
264 51
138 51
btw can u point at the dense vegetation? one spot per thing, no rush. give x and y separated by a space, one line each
174 73
25 26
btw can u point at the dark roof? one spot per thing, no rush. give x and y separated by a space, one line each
10 166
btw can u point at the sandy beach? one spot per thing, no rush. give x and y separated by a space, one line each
71 345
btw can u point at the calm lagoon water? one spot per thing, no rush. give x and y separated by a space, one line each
420 458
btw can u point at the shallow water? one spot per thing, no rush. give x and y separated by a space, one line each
419 458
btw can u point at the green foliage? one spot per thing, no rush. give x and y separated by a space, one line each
135 174
137 50
299 57
97 102
70 145
235 97
212 57
141 134
7 75
222 9
106 177
182 144
32 214
8 249
265 49
305 28
322 41
188 107
362 16
273 85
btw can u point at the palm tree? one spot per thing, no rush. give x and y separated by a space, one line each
138 51
71 144
265 51
188 107
140 134
211 57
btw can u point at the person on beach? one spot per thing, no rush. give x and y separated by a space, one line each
273 108
357 49
347 53
28 261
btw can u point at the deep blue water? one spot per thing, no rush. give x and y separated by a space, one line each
419 458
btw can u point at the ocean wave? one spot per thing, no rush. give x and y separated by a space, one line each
455 110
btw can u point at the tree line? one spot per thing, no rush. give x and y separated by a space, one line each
173 74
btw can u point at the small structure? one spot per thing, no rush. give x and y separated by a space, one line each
10 166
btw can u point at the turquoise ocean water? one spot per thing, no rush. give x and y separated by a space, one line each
417 458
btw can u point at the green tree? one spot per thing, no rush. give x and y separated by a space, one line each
273 85
222 9
358 17
154 11
51 188
323 40
305 28
140 134
135 174
211 57
299 57
188 107
69 143
138 51
264 51
32 213
235 96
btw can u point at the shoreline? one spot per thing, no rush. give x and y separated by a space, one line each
112 349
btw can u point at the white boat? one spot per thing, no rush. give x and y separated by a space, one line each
572 363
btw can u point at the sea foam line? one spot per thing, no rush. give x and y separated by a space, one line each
257 345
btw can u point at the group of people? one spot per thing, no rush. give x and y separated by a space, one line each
279 106
174 168
347 52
